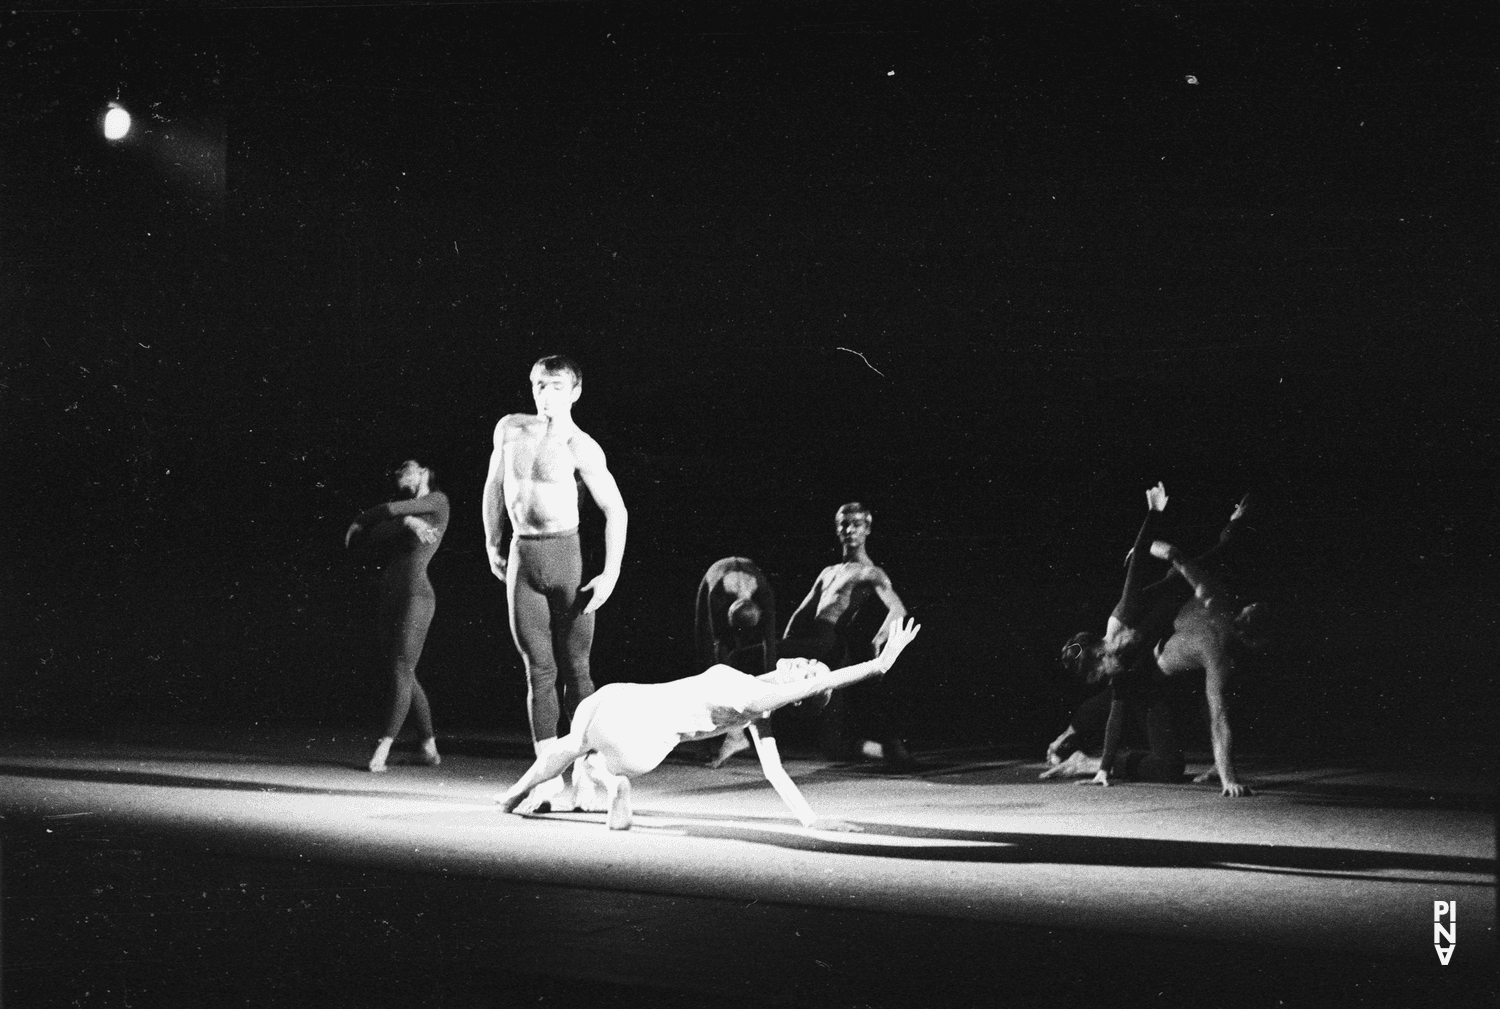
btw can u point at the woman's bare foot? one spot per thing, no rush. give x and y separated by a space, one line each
549 794
378 758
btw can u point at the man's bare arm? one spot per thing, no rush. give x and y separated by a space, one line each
1217 668
493 504
1205 586
606 493
895 608
807 608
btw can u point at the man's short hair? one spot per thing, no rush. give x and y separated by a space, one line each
556 364
854 508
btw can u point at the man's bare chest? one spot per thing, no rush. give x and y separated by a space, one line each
540 459
851 580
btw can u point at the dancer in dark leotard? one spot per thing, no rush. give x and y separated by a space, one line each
735 624
412 530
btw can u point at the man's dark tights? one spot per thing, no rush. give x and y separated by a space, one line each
549 626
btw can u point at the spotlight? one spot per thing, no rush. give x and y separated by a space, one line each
116 123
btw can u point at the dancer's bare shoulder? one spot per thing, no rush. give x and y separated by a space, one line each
510 427
585 449
514 425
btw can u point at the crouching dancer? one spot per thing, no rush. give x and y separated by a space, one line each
627 729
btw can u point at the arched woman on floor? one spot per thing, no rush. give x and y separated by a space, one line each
411 529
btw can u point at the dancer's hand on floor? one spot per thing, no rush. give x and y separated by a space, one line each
1078 765
1234 790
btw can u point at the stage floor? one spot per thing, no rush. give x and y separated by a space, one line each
969 875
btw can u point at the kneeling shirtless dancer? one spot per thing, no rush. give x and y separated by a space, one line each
626 729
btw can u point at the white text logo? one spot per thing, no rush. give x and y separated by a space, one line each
1444 933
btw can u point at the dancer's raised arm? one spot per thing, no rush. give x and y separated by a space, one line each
780 695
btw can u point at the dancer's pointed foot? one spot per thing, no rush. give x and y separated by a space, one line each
378 758
544 798
428 754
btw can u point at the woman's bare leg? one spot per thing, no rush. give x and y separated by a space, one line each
616 792
553 757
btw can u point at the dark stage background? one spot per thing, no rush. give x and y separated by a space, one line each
991 269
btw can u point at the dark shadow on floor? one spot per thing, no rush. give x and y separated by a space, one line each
1063 849
158 780
1298 789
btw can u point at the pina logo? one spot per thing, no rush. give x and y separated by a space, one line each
1444 933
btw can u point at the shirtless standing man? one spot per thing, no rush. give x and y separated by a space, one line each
819 629
532 487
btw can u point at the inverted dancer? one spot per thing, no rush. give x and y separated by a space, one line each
627 729
735 623
1183 623
533 488
412 529
823 628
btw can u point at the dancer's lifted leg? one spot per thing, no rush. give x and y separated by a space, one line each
626 729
